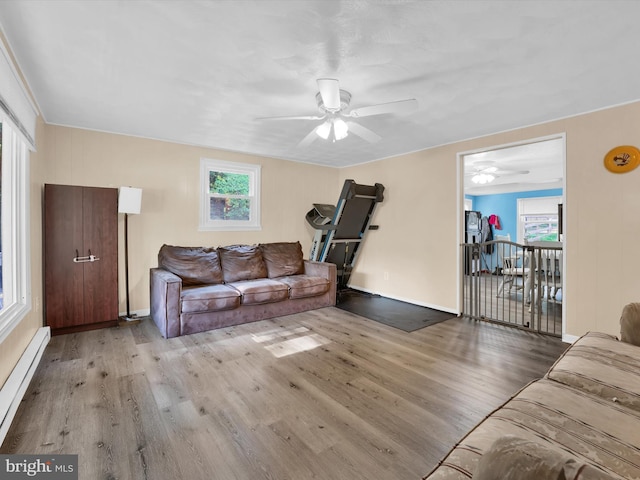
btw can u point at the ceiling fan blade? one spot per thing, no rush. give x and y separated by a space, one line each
496 172
481 171
309 139
330 93
363 132
399 107
511 172
299 117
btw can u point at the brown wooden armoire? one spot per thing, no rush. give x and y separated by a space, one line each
80 257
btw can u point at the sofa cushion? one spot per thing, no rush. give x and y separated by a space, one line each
262 290
241 262
599 364
209 298
194 265
301 286
283 258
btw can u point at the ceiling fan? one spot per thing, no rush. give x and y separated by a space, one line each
486 172
333 104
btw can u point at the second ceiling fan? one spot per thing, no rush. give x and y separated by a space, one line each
486 171
333 105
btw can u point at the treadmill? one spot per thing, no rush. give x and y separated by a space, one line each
341 229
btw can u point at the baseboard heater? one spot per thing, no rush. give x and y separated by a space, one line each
16 385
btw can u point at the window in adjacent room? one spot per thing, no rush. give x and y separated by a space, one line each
538 219
230 195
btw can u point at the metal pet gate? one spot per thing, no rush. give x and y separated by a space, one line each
513 284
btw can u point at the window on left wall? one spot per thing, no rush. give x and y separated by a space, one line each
229 195
15 298
1 273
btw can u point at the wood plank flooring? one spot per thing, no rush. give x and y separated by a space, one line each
317 395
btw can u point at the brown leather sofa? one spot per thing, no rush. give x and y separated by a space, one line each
195 289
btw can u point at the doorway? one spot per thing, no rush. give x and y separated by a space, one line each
493 181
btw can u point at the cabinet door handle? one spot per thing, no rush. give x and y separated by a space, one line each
88 258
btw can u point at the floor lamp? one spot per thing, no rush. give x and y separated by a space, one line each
129 201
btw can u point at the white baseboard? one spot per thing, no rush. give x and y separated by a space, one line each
566 338
13 390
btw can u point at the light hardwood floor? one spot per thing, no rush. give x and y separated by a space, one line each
318 395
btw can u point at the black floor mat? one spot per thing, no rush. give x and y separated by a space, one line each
402 315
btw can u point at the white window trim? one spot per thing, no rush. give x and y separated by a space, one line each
16 260
206 224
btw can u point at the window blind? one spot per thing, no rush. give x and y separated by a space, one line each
14 100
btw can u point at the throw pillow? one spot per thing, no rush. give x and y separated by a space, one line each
514 458
283 258
195 265
242 262
630 324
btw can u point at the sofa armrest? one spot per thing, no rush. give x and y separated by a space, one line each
320 269
630 324
165 290
325 270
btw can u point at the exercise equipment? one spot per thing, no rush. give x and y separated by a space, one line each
341 229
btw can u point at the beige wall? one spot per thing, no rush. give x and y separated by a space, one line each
168 174
416 243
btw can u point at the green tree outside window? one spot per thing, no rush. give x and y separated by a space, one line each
229 196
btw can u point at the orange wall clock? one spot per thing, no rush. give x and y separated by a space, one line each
622 159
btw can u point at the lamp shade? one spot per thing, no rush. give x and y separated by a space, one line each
129 200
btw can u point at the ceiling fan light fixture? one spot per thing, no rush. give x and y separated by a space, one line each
340 129
324 130
334 108
483 178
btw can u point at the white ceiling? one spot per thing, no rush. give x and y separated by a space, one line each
537 165
201 72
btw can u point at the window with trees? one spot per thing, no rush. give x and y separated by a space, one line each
538 219
230 195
